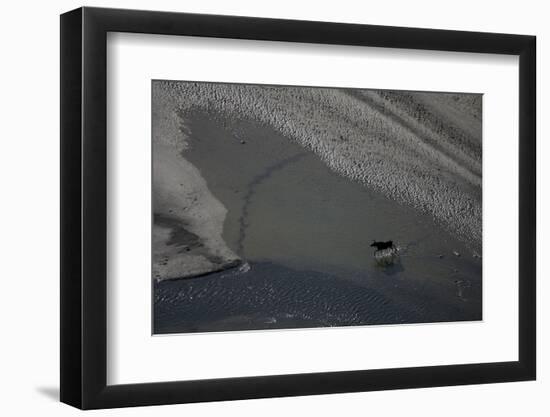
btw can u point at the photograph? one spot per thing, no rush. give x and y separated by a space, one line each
312 208
285 207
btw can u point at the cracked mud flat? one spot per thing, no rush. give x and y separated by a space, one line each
236 188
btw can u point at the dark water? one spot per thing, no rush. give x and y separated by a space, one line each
305 231
271 296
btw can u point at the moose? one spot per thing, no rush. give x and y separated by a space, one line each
382 245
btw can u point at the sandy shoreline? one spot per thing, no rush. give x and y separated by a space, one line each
423 153
188 219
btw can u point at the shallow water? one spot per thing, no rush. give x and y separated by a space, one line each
270 296
306 230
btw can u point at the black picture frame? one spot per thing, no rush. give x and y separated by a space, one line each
84 207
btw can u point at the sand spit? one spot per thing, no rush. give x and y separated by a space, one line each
188 219
419 149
